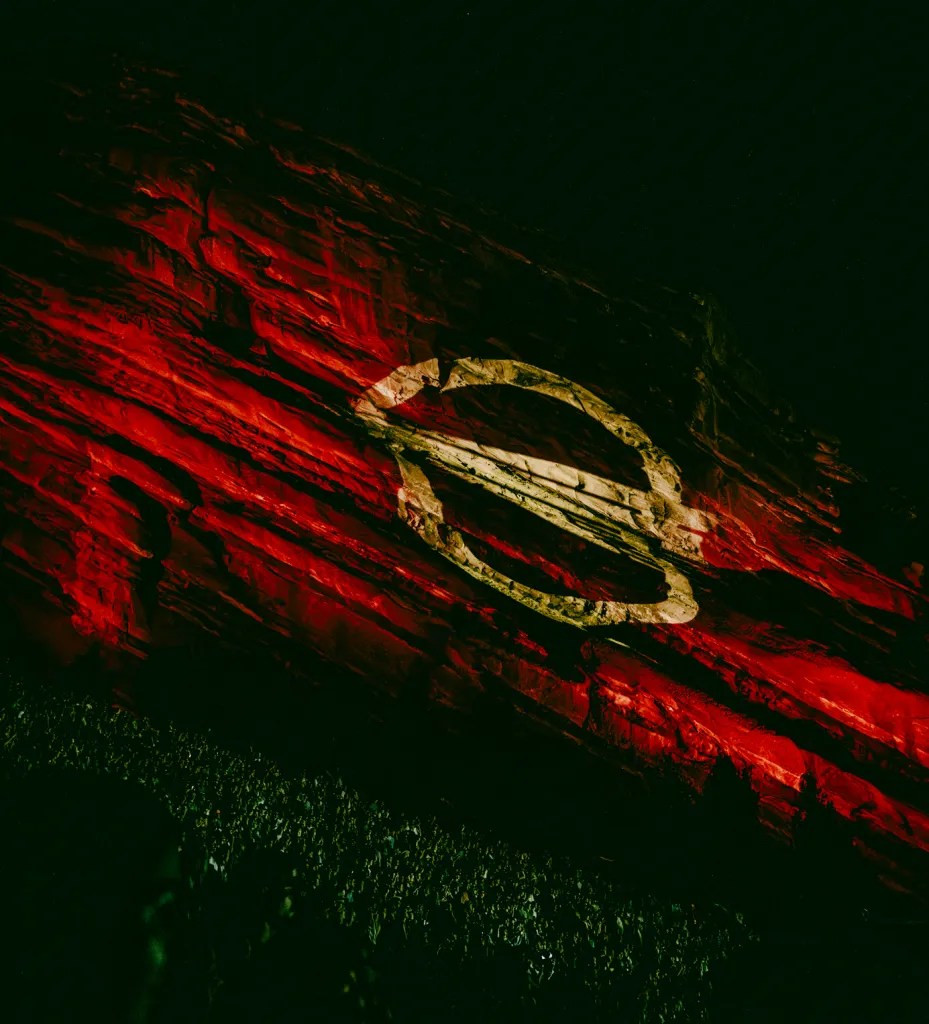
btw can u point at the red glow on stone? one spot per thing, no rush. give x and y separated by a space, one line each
329 282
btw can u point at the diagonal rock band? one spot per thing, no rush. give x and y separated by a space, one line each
617 518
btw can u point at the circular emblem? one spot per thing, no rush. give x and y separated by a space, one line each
616 518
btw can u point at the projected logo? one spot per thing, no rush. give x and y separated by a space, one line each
652 526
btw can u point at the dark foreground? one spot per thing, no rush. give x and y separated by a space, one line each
157 874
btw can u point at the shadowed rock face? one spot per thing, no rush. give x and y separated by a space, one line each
256 388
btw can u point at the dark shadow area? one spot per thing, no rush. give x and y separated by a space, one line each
87 857
509 775
90 870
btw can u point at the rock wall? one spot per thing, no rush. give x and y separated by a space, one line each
255 385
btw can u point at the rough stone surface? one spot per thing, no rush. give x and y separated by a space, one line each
647 551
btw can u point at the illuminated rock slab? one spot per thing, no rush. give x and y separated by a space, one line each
252 383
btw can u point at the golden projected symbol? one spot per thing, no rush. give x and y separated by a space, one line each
614 517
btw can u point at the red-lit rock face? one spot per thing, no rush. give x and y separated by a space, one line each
193 317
